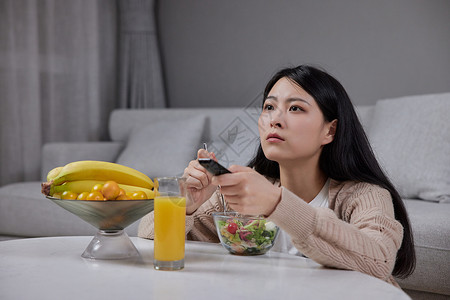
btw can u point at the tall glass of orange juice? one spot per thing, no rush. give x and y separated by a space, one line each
169 218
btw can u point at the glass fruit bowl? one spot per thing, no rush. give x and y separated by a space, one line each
245 235
110 217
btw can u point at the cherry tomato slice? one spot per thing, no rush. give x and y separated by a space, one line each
232 227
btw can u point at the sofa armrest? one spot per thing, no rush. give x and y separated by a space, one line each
59 154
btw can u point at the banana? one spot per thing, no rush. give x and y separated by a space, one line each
53 173
102 171
80 186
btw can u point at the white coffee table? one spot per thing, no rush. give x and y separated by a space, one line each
52 268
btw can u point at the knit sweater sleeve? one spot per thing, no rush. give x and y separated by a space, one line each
199 226
365 237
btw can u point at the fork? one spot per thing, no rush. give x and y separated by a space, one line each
205 146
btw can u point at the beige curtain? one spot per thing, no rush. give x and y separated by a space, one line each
58 77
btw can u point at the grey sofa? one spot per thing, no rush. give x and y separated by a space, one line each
410 136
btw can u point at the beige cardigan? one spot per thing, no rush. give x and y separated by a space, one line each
357 232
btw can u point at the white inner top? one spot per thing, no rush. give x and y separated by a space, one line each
284 242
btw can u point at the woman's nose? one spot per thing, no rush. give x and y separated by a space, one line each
276 119
275 124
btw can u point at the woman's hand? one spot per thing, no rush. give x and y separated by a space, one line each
198 182
248 192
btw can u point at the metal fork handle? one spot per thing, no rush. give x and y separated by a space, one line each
222 199
205 146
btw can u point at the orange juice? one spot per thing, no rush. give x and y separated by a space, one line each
170 216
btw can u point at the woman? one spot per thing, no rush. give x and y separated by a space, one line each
316 177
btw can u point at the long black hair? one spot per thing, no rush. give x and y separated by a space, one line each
349 156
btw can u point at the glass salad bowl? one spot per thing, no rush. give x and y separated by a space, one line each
245 235
110 217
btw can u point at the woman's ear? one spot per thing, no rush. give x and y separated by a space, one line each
331 127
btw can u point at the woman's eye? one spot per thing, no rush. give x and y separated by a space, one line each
268 107
295 108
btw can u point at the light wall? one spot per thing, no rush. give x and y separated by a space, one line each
222 53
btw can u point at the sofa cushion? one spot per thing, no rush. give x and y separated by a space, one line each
430 223
237 141
122 121
60 154
165 147
411 138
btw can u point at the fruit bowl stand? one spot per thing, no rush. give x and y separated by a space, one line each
110 217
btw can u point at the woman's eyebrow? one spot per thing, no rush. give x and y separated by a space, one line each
297 99
293 99
271 98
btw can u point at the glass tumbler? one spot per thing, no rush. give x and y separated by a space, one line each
169 223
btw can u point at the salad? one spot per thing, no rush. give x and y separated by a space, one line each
246 237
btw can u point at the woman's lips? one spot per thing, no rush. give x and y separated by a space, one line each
273 137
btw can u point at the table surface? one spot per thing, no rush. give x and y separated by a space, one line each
52 268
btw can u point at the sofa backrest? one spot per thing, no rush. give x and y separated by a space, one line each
365 115
232 133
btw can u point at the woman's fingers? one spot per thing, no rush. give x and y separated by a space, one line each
234 178
197 176
231 190
193 182
202 153
247 191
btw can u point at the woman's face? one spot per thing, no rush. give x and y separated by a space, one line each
291 125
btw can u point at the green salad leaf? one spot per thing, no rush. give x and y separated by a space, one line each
253 237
